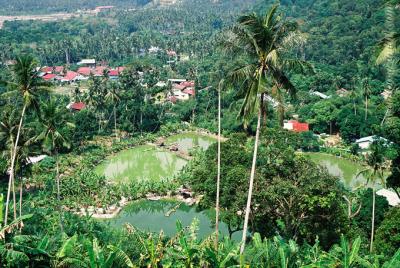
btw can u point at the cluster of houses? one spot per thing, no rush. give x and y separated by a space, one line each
87 67
181 90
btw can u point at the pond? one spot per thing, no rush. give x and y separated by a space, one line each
188 141
345 169
141 163
153 216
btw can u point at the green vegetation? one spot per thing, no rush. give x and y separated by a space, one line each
254 65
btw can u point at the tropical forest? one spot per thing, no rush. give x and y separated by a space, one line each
200 133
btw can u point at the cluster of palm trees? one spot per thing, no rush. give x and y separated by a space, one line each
27 87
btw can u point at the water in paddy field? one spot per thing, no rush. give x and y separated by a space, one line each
152 216
141 163
189 141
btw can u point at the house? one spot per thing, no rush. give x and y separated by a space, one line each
85 71
115 73
179 95
88 63
154 50
342 92
174 80
161 84
35 159
386 94
321 95
70 76
172 53
365 143
296 126
76 106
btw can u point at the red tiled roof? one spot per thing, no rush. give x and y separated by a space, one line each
173 99
84 71
190 91
187 84
177 86
70 76
99 70
77 106
58 69
48 77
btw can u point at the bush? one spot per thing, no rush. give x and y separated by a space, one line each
388 234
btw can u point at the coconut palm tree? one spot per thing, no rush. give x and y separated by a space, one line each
113 97
366 92
53 137
218 168
374 173
26 84
264 43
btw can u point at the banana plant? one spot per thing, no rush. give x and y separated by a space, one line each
345 255
227 254
98 257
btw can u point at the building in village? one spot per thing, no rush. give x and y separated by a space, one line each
86 69
365 143
181 90
296 126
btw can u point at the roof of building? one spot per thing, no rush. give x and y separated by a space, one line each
48 77
178 86
190 91
188 83
70 76
321 95
84 71
58 69
369 139
172 99
391 197
36 159
87 61
99 70
76 106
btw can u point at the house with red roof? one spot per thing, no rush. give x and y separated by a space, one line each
296 126
69 77
76 106
86 71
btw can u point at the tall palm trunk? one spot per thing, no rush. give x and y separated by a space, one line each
366 108
115 123
252 175
373 221
11 179
58 194
218 171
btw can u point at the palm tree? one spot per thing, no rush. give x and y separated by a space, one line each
113 97
374 172
366 92
218 168
264 41
27 84
53 138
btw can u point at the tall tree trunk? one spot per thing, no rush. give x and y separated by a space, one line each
13 157
252 175
59 194
366 108
218 171
115 123
373 221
